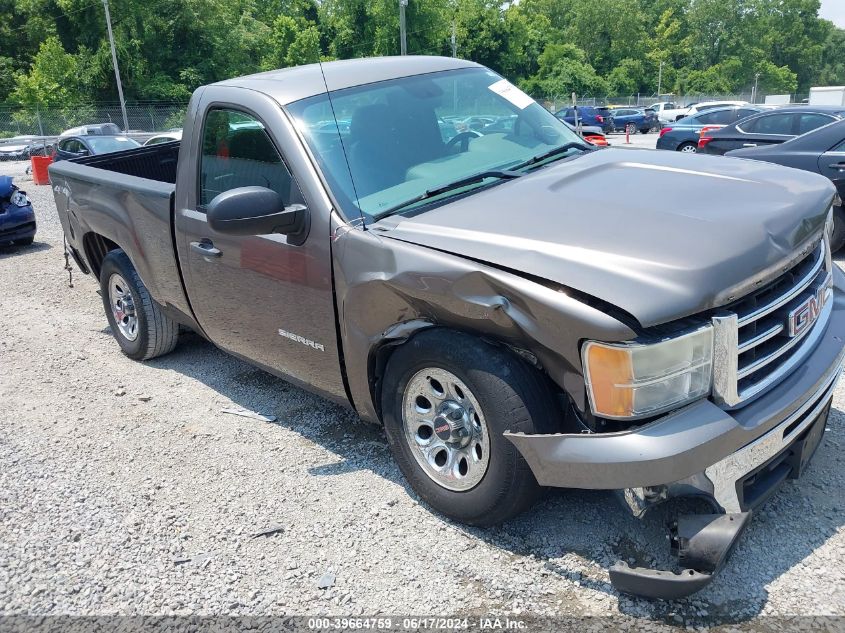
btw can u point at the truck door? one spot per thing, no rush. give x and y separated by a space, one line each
258 296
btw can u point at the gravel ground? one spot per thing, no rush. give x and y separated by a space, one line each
125 490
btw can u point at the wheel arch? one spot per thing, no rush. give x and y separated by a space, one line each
96 248
400 334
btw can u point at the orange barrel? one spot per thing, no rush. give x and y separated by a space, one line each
39 169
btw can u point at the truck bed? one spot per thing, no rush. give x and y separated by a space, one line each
125 198
156 162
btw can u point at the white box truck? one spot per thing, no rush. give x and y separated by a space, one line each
827 95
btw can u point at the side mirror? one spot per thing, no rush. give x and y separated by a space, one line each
256 211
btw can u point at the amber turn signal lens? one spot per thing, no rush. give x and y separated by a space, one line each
610 376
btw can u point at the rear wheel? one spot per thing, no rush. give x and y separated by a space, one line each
137 322
688 148
447 400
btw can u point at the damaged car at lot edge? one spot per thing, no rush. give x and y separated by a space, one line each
510 320
17 218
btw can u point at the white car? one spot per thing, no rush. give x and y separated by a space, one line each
709 105
165 137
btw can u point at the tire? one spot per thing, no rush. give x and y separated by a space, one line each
688 148
645 130
155 334
631 129
510 395
837 241
27 241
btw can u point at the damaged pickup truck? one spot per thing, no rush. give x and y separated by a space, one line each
511 320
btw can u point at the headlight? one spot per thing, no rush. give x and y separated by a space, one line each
634 380
19 198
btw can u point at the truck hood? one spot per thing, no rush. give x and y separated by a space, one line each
660 235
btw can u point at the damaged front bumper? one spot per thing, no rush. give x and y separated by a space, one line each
16 223
733 459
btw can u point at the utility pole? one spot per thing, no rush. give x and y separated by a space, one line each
754 92
454 41
403 44
116 70
660 79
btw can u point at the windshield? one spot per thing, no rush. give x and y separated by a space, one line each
106 144
405 137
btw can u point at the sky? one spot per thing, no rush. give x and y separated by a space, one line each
834 10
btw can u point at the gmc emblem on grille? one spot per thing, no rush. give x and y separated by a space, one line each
803 316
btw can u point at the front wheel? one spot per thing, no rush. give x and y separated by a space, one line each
447 400
137 322
631 129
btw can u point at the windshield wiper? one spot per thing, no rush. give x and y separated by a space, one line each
501 174
555 151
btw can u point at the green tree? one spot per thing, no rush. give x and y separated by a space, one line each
55 79
563 69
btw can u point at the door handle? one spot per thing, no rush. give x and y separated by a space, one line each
839 166
749 144
206 248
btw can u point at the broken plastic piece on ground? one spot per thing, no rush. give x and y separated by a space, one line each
702 543
246 413
655 583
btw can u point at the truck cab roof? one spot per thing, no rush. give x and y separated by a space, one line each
287 85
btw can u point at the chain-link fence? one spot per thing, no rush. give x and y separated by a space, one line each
146 117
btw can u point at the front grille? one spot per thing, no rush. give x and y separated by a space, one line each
759 339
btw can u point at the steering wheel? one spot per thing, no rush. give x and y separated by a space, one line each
463 138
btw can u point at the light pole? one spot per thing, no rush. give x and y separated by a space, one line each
116 70
754 93
403 45
660 78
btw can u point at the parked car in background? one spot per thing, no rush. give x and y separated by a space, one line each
17 219
633 120
597 116
505 124
475 123
165 137
78 146
821 151
682 136
710 105
591 133
14 151
93 129
668 111
771 127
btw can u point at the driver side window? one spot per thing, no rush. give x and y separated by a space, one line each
238 152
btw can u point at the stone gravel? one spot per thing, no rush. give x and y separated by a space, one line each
125 490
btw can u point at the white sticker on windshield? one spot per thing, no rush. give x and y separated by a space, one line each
120 138
513 94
